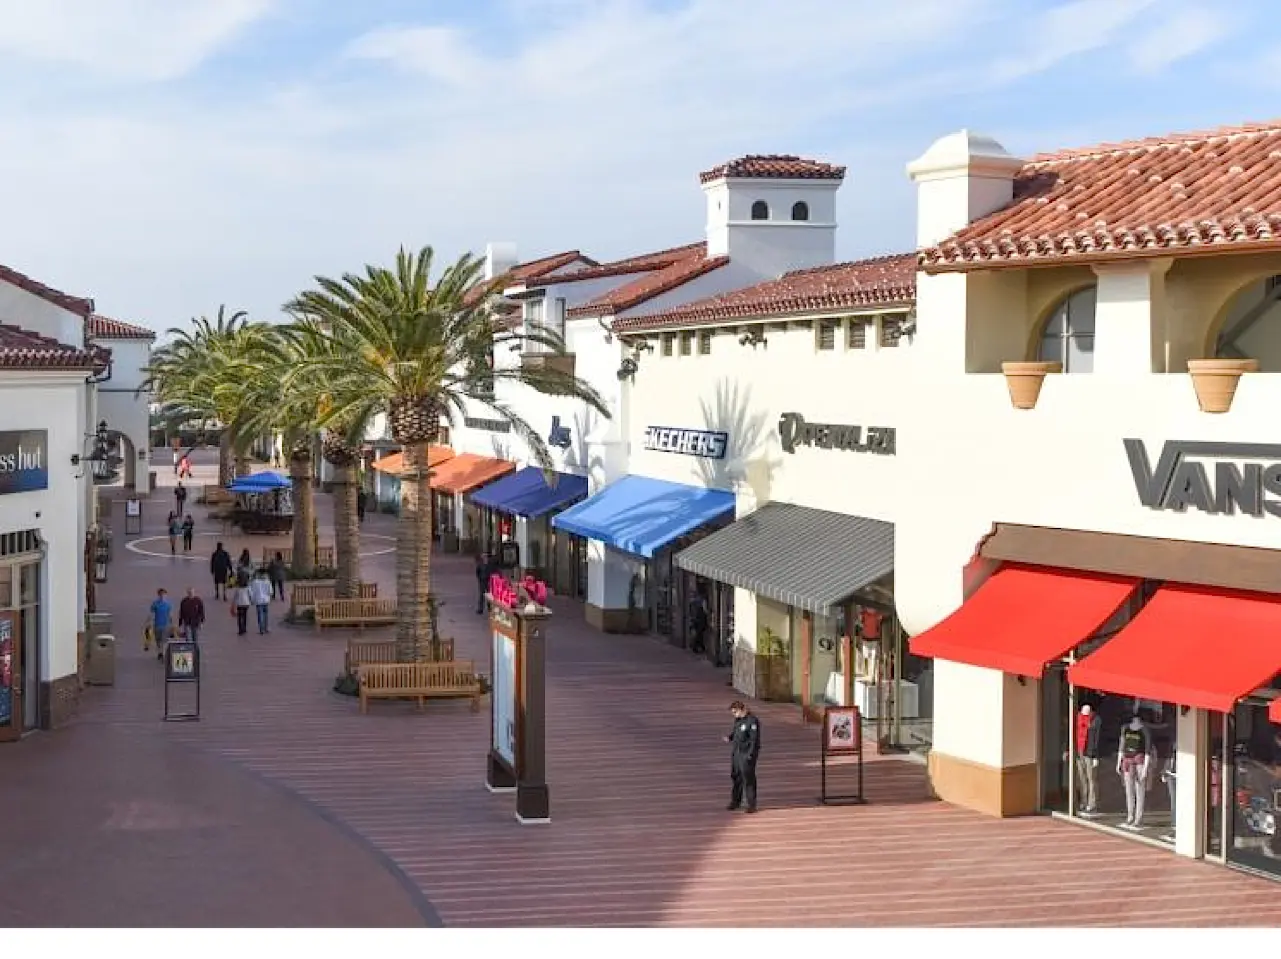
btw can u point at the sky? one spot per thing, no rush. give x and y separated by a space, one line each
167 157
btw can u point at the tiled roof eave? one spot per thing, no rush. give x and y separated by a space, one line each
801 309
943 263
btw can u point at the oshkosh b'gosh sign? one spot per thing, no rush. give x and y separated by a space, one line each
1220 478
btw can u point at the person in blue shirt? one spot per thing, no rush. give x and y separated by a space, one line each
161 621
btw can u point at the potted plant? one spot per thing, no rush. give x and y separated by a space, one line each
773 667
1215 381
1024 379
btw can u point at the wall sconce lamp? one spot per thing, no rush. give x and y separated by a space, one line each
643 346
1022 680
628 368
1184 710
753 338
102 461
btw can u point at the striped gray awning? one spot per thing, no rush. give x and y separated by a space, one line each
807 558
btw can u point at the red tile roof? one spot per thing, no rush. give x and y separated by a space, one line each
23 350
879 282
635 264
524 272
629 295
773 166
104 327
72 304
1189 194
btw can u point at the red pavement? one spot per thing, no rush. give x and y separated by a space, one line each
326 816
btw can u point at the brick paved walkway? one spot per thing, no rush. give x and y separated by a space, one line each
638 780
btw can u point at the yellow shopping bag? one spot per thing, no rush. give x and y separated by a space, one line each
148 636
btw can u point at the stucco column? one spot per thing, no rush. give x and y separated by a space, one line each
1191 788
609 582
1130 319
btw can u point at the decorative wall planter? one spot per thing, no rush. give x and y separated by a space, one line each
1024 380
1215 381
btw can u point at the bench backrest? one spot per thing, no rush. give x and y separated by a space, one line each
306 594
324 555
354 608
361 652
451 675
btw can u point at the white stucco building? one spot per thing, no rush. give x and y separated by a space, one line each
120 402
47 423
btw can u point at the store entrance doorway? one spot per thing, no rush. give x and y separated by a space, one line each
12 685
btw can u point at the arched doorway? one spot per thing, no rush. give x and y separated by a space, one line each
122 458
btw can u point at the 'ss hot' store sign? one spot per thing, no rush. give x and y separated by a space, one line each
24 461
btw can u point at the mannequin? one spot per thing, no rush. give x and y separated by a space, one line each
1088 724
1132 765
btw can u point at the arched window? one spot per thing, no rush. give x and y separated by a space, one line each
1068 336
760 210
800 210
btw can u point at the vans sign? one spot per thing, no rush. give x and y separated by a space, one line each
24 461
1218 478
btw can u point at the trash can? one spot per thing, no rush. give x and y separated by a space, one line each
102 661
98 624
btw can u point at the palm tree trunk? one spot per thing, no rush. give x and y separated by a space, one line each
225 464
304 560
413 553
346 533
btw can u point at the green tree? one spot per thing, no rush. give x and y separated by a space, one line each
416 351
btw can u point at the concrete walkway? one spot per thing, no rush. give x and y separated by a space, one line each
283 805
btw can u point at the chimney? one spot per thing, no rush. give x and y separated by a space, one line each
962 177
499 258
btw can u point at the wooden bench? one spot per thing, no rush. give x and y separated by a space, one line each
303 596
420 681
324 555
355 612
362 652
216 496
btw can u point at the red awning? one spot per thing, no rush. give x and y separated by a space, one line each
1023 617
1191 645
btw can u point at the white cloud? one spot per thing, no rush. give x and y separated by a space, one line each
1187 32
570 124
135 39
1069 30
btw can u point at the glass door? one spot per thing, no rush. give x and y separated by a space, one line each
29 652
12 709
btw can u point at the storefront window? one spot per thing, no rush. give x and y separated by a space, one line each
1255 789
826 683
1123 760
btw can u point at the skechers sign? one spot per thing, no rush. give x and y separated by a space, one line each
24 461
793 431
708 444
1220 478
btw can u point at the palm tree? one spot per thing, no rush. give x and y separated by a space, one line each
197 376
307 347
415 351
269 408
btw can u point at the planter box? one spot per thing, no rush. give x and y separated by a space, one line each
1215 381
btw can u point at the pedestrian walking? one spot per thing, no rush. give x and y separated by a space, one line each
484 569
745 747
174 526
191 615
161 615
180 497
278 573
240 603
175 461
699 621
184 467
260 595
188 532
220 566
361 499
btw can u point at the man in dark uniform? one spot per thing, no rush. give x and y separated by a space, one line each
484 569
745 747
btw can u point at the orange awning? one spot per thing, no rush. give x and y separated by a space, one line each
394 463
1191 645
1023 617
467 471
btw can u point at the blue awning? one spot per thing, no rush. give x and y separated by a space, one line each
526 493
259 482
642 515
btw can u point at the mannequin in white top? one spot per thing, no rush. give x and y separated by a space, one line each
1133 760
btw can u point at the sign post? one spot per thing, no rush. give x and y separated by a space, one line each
133 516
182 668
518 702
842 736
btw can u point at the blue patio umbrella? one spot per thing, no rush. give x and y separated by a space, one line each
259 483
